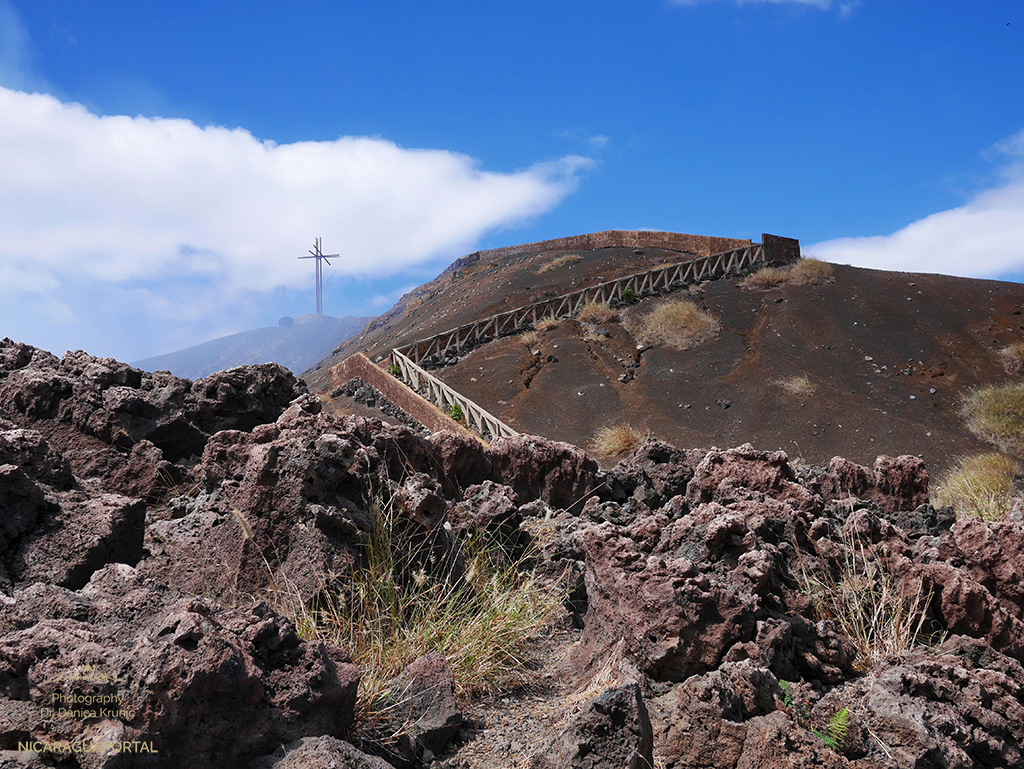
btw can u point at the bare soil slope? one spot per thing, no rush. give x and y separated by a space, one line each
887 356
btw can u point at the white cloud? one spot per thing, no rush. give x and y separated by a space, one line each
983 238
134 198
193 222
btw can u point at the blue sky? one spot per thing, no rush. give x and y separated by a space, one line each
162 164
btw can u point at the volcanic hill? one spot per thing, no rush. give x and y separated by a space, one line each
295 343
860 363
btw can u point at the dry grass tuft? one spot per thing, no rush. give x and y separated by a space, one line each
561 261
996 415
546 324
529 338
868 604
809 271
679 324
763 279
1013 358
595 313
797 385
616 441
484 621
979 486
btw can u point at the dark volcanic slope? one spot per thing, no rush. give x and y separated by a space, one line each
873 344
487 283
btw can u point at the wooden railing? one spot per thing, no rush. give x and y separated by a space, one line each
434 350
436 391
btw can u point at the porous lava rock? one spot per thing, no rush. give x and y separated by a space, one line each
95 410
155 532
559 473
322 752
52 529
200 684
423 712
892 484
613 731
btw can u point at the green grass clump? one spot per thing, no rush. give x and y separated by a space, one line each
679 324
979 486
484 616
629 295
455 412
996 415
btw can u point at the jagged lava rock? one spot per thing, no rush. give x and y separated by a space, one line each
95 410
612 732
203 684
52 529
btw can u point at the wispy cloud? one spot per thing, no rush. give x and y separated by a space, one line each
983 238
15 50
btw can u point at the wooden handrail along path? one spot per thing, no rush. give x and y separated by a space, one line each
444 396
433 350
410 359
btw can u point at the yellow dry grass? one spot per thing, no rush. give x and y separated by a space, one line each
546 324
797 385
595 313
561 261
766 278
1012 357
679 324
868 604
980 486
617 440
529 338
996 415
810 271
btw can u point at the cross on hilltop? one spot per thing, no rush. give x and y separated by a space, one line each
318 254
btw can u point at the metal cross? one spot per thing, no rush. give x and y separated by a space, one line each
318 254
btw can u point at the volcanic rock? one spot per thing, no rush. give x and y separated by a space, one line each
612 732
200 684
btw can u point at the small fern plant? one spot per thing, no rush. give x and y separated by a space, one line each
834 731
455 412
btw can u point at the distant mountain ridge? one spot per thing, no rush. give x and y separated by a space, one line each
296 343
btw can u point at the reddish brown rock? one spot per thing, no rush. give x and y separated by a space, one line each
893 484
424 713
992 553
765 471
319 753
559 473
612 732
201 684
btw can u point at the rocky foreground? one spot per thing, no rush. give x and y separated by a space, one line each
143 518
